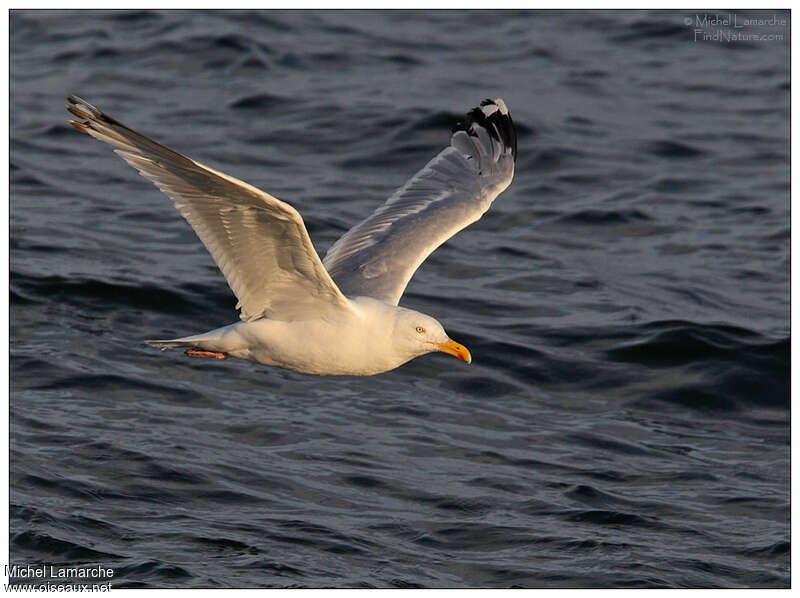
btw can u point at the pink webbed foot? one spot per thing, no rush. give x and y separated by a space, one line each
195 352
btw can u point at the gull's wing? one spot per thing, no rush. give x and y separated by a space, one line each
259 242
378 256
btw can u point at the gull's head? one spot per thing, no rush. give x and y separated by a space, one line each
419 334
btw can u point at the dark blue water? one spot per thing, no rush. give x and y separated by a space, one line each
625 421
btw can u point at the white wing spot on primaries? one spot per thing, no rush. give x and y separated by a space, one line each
502 106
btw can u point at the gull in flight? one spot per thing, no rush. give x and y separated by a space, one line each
340 315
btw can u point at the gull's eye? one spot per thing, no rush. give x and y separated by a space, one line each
420 329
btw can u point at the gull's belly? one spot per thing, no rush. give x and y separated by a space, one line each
316 347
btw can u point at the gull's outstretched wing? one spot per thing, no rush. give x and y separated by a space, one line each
378 256
259 242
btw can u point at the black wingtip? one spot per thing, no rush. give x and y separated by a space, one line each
83 109
496 120
79 101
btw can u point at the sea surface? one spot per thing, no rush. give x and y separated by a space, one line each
625 421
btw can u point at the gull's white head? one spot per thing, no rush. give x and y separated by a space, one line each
418 334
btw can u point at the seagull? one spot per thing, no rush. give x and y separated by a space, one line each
339 315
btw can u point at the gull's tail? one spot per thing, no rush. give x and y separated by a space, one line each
214 340
171 344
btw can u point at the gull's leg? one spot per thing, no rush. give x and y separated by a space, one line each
195 352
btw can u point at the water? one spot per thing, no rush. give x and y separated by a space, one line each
625 421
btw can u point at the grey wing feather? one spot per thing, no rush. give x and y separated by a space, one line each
378 256
259 242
